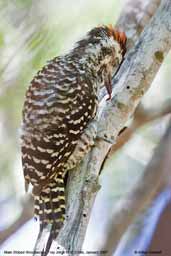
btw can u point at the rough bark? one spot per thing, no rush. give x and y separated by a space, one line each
132 81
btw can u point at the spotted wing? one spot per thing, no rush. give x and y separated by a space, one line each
57 109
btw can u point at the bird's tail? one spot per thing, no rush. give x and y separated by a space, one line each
50 208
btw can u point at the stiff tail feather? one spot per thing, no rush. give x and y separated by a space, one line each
50 208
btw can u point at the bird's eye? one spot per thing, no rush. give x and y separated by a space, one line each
106 50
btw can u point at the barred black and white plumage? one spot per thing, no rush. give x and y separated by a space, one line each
60 104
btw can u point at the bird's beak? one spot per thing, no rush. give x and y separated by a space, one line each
108 84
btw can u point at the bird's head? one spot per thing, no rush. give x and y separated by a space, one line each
102 51
118 49
107 46
118 36
113 48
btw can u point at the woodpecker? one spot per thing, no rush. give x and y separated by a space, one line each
60 106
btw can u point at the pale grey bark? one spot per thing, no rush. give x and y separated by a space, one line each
132 81
135 16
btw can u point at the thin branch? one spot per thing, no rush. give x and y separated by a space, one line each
142 195
141 118
132 81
